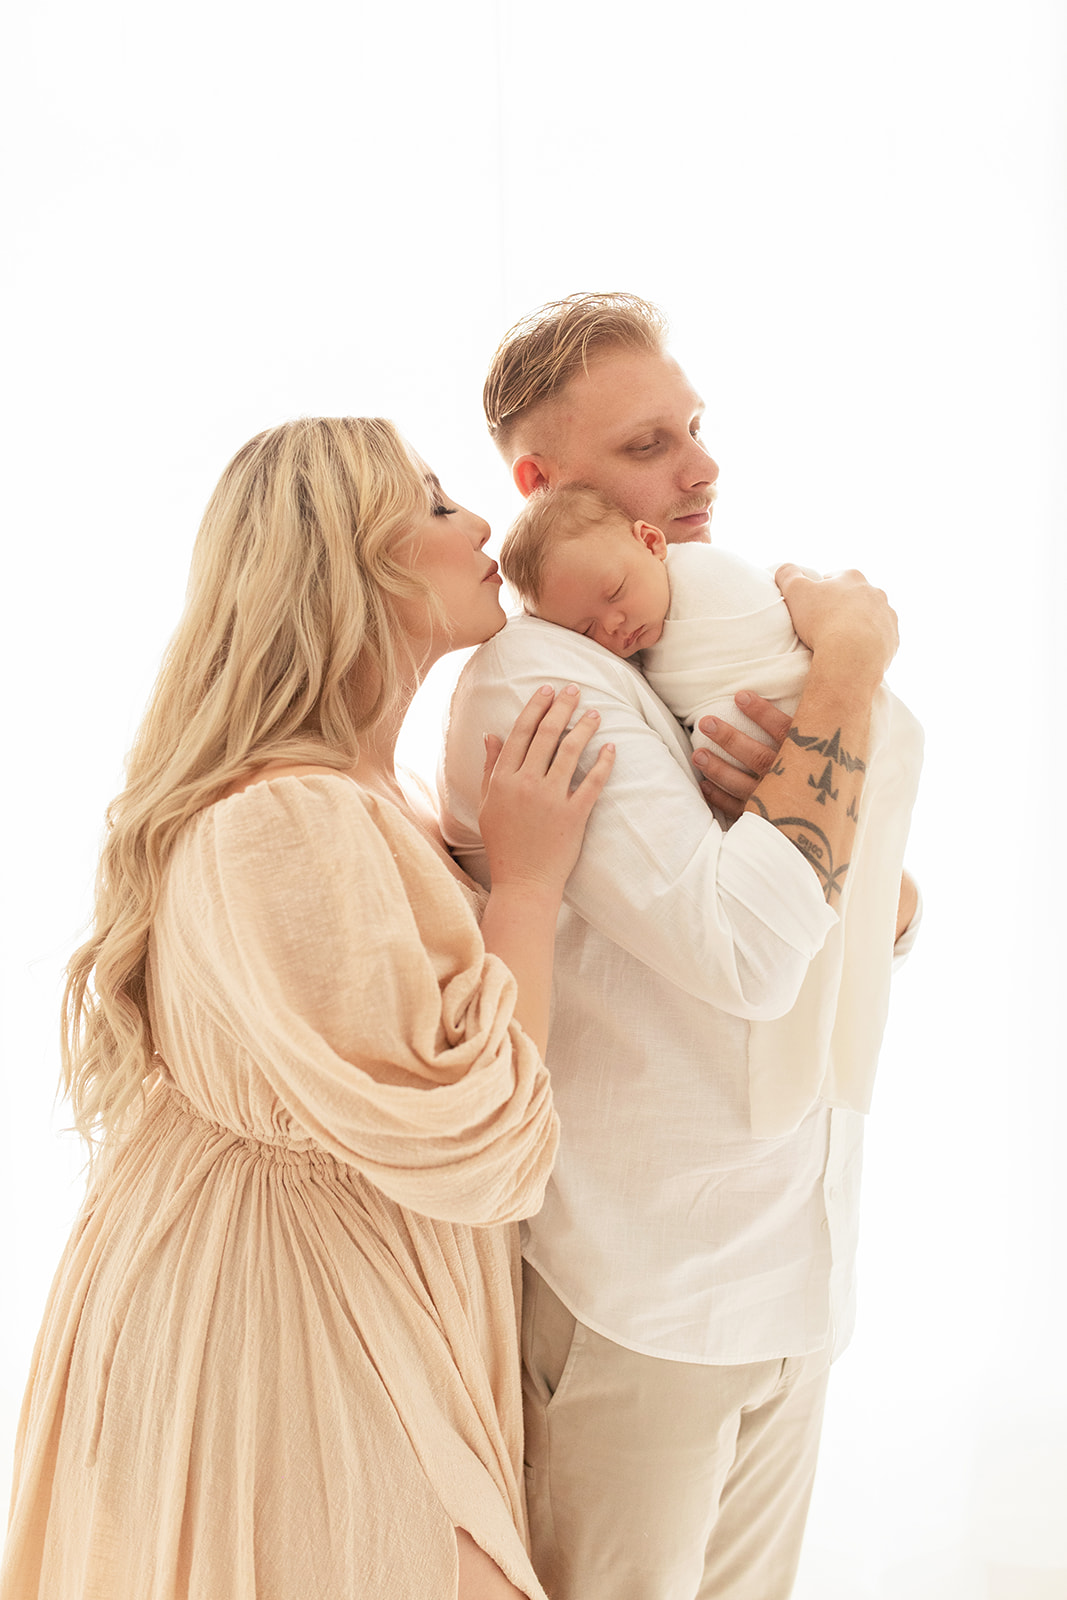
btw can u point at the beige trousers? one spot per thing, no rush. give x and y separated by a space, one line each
662 1480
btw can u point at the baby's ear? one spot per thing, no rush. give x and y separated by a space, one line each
651 538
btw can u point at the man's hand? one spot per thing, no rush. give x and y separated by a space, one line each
842 619
729 788
908 903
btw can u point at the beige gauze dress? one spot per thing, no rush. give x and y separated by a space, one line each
279 1359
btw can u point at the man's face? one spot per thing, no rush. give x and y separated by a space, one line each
630 427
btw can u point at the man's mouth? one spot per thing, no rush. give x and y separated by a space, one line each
694 515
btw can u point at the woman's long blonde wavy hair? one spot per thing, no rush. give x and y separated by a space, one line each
290 646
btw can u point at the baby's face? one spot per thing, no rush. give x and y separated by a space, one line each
610 585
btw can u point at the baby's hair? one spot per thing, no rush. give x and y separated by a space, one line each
549 517
542 352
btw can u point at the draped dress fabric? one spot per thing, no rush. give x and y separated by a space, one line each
279 1358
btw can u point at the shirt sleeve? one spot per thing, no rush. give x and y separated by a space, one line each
732 917
352 968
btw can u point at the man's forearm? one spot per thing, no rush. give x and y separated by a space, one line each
814 791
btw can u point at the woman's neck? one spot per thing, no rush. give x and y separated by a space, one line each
375 771
376 765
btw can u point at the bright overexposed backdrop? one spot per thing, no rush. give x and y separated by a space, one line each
228 214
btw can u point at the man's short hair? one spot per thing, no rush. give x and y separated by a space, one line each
542 352
549 517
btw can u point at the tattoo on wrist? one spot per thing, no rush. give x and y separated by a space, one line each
830 748
809 838
824 786
813 845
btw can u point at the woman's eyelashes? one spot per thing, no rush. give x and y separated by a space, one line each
445 511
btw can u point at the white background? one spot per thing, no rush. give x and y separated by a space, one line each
227 214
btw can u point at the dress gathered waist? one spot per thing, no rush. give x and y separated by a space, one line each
285 1152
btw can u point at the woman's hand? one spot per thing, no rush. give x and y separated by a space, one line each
532 824
843 615
531 820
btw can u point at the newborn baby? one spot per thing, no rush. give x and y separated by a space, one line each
703 625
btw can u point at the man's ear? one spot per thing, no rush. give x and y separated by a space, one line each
652 539
530 473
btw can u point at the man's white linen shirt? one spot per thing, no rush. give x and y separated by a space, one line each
667 1227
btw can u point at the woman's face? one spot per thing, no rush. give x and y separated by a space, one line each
446 550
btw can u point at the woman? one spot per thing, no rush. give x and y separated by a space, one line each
279 1358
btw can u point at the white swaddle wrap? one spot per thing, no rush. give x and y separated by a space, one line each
728 629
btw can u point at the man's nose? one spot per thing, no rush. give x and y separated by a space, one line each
700 467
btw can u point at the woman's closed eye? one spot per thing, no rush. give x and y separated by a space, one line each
445 511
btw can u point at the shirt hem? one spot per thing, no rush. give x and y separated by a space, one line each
778 1353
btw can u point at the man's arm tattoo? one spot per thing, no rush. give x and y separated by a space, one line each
830 748
824 786
808 837
813 845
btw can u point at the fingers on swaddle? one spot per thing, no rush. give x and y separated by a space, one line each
730 772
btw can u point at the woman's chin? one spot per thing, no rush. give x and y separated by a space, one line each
494 627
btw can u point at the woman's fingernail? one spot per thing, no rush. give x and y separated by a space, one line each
572 688
743 699
709 725
595 715
546 688
701 758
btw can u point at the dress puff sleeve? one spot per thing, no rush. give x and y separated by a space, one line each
344 964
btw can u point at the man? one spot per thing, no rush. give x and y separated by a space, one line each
686 1285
